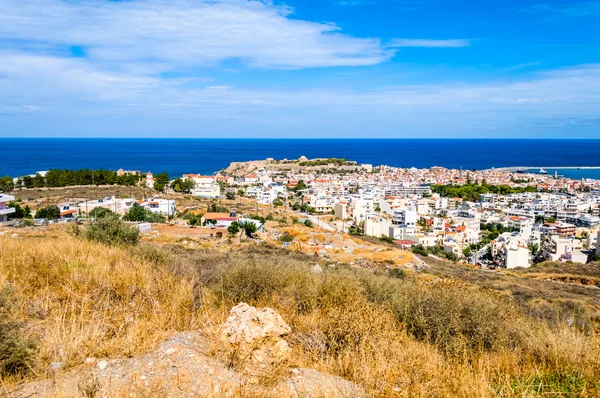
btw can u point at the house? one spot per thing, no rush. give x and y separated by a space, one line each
562 249
4 209
340 210
160 206
516 256
204 186
68 212
118 206
376 226
251 179
215 218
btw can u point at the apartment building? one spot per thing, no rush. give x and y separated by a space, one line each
562 249
4 209
204 186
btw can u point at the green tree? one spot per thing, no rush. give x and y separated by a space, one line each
161 181
467 252
20 211
248 227
48 212
135 213
234 228
38 181
301 185
6 184
176 184
100 212
230 195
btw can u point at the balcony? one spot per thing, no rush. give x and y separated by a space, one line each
9 210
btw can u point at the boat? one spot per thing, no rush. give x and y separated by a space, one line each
542 171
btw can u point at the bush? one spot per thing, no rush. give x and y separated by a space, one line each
286 237
112 231
419 249
455 319
100 212
397 273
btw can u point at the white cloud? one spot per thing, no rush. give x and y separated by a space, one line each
451 43
182 32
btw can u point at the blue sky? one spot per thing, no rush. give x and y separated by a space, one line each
300 68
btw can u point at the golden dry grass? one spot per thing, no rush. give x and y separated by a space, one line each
396 338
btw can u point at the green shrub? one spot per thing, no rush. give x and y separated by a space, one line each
286 237
100 212
112 231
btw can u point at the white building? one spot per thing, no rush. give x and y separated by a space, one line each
376 226
405 218
160 206
204 186
149 180
562 249
516 256
4 209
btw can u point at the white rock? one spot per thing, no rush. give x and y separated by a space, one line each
316 269
257 332
102 365
55 365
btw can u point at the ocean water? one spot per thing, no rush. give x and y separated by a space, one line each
19 156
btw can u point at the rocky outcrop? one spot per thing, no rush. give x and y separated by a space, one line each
185 366
256 335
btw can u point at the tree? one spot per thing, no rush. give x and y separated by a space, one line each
184 186
234 228
38 181
135 213
551 220
230 195
112 231
20 211
308 222
301 185
278 202
187 185
467 252
48 212
248 227
161 181
176 184
6 184
100 212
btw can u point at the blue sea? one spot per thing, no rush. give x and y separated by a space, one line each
19 156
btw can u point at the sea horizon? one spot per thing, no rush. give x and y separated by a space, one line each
209 155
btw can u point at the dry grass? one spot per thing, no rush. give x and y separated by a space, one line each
395 337
82 299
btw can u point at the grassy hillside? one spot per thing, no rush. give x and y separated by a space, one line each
64 299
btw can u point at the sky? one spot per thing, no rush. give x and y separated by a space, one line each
300 68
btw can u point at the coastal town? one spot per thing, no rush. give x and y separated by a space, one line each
485 218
